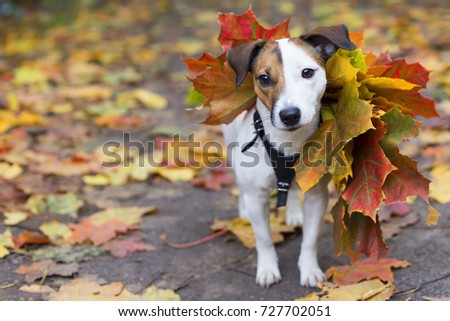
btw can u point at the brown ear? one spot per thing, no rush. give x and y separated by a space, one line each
328 39
241 57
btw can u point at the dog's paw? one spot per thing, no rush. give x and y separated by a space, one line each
311 275
267 276
294 218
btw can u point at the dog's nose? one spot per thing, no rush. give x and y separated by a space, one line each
290 116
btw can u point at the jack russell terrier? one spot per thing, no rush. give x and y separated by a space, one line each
289 81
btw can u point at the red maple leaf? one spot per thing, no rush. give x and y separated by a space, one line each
237 29
364 191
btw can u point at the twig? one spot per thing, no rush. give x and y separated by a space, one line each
417 288
192 244
184 284
9 285
241 271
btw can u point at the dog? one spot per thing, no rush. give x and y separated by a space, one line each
289 81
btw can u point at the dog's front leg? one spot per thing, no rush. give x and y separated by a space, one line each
314 205
294 211
258 209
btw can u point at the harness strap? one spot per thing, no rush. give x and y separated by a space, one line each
282 165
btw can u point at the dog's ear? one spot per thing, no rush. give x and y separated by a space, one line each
327 40
241 57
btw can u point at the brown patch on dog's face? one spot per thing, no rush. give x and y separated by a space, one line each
310 50
268 63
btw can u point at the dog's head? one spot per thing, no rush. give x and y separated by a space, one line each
289 74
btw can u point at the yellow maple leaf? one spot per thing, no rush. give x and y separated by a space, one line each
150 99
242 229
6 242
129 215
176 174
55 230
152 293
369 290
13 218
10 171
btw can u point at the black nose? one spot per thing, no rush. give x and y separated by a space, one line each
290 116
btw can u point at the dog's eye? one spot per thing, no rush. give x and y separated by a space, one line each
308 72
264 80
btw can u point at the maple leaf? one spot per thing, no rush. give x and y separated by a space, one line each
356 234
405 180
347 119
13 218
6 241
98 234
46 268
365 269
370 290
413 73
218 177
30 237
103 226
66 253
56 231
224 99
245 27
121 247
83 289
67 203
433 216
364 191
242 229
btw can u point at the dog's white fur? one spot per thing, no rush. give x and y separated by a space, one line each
256 181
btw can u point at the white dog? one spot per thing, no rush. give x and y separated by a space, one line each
289 81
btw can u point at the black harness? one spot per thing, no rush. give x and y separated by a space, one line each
282 165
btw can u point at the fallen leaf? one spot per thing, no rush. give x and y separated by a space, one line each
103 226
243 230
64 204
150 99
86 231
396 223
14 218
6 241
85 290
56 231
30 237
10 171
365 269
370 290
46 268
37 289
152 293
121 247
118 121
131 216
66 253
90 93
217 178
176 174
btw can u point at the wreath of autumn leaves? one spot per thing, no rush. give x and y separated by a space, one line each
370 103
